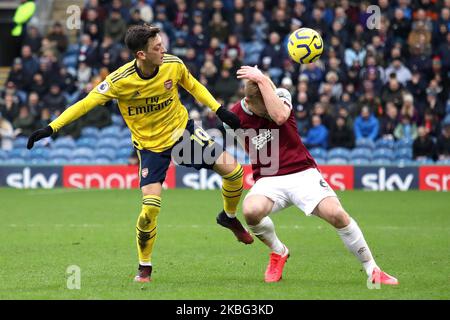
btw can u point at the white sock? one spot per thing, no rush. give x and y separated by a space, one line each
354 240
230 215
265 231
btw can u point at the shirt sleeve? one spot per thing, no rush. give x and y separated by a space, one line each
101 94
197 90
285 96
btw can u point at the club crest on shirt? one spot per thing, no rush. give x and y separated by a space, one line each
261 139
168 84
144 172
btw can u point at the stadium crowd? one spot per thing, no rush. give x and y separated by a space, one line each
389 80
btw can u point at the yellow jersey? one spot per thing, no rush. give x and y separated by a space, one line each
150 105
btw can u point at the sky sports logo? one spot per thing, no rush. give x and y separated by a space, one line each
340 178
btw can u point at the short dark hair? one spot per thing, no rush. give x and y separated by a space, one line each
137 36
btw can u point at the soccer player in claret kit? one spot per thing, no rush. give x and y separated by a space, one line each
267 110
147 93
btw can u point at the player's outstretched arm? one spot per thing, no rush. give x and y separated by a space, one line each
97 96
278 110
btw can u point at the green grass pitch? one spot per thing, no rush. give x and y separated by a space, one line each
42 232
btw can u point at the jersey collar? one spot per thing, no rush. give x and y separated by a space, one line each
138 71
246 110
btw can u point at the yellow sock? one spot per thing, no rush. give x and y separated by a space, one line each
232 185
146 228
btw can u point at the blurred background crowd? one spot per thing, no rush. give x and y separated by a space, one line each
389 83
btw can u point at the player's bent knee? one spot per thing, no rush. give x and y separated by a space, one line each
253 212
340 218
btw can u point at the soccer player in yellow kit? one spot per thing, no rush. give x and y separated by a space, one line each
147 93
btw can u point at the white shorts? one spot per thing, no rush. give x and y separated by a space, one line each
303 189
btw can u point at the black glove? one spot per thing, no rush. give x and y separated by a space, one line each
229 118
38 135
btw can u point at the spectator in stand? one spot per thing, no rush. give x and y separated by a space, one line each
400 26
218 27
389 121
302 119
9 107
29 61
434 104
341 135
38 85
33 39
44 118
93 26
259 27
325 117
115 26
393 91
423 146
233 49
272 56
135 18
7 134
405 129
58 37
355 55
99 10
55 100
34 104
88 51
317 135
408 108
402 73
24 122
443 143
147 11
366 125
226 86
19 76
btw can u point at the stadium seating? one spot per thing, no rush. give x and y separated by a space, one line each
111 132
87 153
443 162
385 143
109 153
337 161
90 132
58 160
403 143
383 153
318 153
361 153
403 153
424 161
360 161
64 142
382 162
20 142
88 142
320 160
107 143
365 143
339 153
